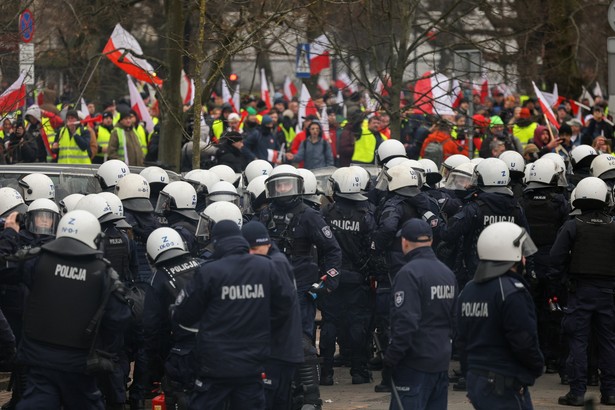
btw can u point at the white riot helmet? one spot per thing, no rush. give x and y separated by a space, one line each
500 246
476 160
432 175
492 175
310 186
42 217
591 193
11 201
573 210
390 149
69 202
364 175
403 180
561 164
76 229
97 206
110 172
225 173
214 213
202 179
603 167
514 161
543 173
164 244
256 168
155 175
451 162
346 183
582 156
134 191
223 191
460 177
36 186
180 197
117 208
255 193
284 185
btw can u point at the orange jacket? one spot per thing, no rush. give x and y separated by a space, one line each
450 146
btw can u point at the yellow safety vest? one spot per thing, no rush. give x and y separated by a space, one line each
289 134
103 136
217 128
142 137
364 147
70 153
525 134
116 118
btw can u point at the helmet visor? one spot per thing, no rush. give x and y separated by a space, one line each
163 204
222 196
382 182
458 182
527 245
42 222
284 186
203 228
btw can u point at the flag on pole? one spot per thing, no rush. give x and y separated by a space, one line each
14 96
546 108
306 107
485 92
186 87
84 109
289 89
265 95
343 81
319 55
137 104
236 99
597 90
431 94
323 84
124 51
585 95
227 97
552 98
456 93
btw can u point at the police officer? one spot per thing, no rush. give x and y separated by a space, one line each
256 168
497 323
176 204
422 312
68 203
110 172
347 311
298 229
286 348
35 186
213 214
546 210
311 195
59 341
237 300
202 180
581 158
516 168
579 253
165 343
157 178
255 199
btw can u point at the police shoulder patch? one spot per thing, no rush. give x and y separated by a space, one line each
518 284
399 298
333 272
326 231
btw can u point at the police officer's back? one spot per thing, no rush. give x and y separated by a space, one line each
581 158
176 204
58 337
233 299
497 323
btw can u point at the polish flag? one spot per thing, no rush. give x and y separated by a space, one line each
186 86
236 99
289 89
456 93
546 108
485 92
14 96
343 81
227 97
431 94
323 84
84 109
319 55
137 104
552 98
123 50
306 106
597 90
265 95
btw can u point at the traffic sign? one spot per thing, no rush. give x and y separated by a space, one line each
26 62
26 26
302 69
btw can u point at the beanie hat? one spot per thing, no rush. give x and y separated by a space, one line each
256 234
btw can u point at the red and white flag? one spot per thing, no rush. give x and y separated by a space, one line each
546 108
186 87
597 90
123 50
323 84
289 89
343 81
137 104
485 92
15 96
456 93
236 99
319 55
552 98
84 109
431 94
306 107
227 97
265 95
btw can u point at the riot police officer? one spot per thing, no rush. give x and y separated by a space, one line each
581 158
60 342
157 178
422 312
36 186
202 180
213 214
311 196
298 229
497 323
164 343
516 168
256 168
110 172
176 204
579 253
236 300
347 311
68 203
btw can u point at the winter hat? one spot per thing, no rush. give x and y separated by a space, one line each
225 229
266 120
256 234
525 113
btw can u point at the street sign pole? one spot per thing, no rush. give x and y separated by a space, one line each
26 47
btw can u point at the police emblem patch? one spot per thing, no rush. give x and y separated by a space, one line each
326 231
332 272
399 298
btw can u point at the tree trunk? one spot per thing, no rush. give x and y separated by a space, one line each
198 88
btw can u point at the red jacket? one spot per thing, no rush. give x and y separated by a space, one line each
450 146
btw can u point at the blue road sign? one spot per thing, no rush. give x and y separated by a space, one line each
303 61
26 26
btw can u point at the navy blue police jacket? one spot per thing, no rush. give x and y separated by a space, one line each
234 299
422 313
497 328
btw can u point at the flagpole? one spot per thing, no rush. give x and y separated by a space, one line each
549 127
89 79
